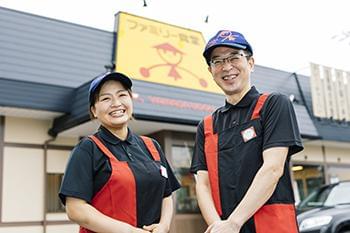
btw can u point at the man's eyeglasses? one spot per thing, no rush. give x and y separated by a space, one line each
232 59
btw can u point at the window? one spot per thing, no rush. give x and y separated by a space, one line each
53 203
308 178
186 201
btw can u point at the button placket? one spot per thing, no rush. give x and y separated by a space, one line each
130 156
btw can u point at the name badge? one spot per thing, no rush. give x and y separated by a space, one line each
163 171
248 134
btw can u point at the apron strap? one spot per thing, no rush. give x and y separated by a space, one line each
151 147
102 147
258 106
211 156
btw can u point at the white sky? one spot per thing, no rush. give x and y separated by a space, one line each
285 35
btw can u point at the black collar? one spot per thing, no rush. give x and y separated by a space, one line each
246 101
111 138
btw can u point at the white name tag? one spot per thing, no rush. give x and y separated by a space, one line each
248 134
163 171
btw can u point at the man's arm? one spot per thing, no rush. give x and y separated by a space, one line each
205 200
261 189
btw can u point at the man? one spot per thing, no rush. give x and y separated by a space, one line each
243 149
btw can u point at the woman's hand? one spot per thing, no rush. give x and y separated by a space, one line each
139 230
156 228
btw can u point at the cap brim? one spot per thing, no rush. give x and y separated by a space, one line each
125 80
208 51
97 82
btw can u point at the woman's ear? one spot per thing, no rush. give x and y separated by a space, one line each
93 111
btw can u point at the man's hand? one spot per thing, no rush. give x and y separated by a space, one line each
224 226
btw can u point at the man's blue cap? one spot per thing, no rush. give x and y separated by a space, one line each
226 38
99 80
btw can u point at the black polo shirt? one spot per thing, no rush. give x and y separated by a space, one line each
88 169
276 127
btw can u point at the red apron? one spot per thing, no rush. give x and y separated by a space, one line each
117 198
272 218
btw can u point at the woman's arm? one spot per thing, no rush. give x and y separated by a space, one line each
167 212
84 214
165 219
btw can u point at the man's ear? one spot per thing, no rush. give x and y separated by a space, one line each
209 69
251 62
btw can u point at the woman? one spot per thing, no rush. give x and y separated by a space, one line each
115 180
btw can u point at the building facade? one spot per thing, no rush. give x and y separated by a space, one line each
46 67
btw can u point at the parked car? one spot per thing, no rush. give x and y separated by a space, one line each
326 210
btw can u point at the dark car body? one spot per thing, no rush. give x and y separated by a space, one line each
326 210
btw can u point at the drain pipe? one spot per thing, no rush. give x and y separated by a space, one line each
45 146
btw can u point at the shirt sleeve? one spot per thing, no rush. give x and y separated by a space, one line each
280 124
198 159
78 177
172 183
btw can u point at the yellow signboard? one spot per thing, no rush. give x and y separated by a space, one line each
157 52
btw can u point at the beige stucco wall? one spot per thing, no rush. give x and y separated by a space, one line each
313 153
33 131
56 217
57 160
309 154
25 130
337 155
69 228
23 174
29 229
66 141
339 173
23 185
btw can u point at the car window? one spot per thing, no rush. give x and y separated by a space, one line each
315 199
326 196
340 194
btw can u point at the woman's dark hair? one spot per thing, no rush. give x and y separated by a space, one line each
97 93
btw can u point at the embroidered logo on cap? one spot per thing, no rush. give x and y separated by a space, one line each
248 134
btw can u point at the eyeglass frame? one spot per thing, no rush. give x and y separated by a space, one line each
222 61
